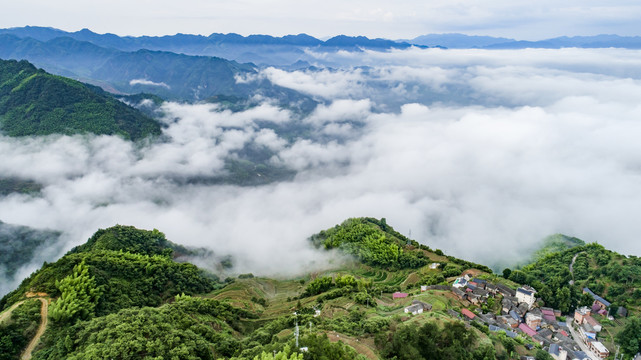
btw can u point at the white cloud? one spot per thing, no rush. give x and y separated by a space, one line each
147 83
554 151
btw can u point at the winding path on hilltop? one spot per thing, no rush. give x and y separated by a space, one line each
572 266
7 313
44 312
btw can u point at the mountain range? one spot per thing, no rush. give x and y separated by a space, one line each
166 74
195 68
461 41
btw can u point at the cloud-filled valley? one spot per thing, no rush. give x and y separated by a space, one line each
478 153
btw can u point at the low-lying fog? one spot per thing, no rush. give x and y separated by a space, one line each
479 153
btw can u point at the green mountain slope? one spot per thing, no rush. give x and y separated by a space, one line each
33 102
612 275
120 295
556 243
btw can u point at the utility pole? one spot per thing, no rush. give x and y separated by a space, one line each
296 332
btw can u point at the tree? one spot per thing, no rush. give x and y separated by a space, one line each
586 300
506 273
543 355
564 300
518 277
285 354
630 337
79 296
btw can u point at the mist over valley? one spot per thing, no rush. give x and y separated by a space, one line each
479 153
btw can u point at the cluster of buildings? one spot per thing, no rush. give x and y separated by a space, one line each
520 315
588 327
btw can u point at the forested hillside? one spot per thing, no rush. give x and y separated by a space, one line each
34 102
123 295
614 276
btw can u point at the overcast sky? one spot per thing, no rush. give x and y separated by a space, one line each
373 18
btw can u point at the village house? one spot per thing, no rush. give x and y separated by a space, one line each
515 316
601 302
622 312
468 314
417 307
426 306
491 288
423 288
580 314
557 352
587 332
434 266
522 309
509 333
459 293
459 283
482 293
414 309
508 304
526 295
545 333
480 283
527 330
474 298
513 323
597 309
595 324
599 349
533 320
505 291
580 355
399 295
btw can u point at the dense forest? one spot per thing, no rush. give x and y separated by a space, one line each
613 276
34 102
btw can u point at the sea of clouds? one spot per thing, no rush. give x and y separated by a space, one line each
479 153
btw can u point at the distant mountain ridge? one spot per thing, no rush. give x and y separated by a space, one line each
461 41
205 45
184 41
169 75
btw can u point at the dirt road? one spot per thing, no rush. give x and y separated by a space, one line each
572 266
7 314
44 312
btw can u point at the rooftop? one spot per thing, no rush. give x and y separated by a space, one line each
526 329
468 313
600 347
